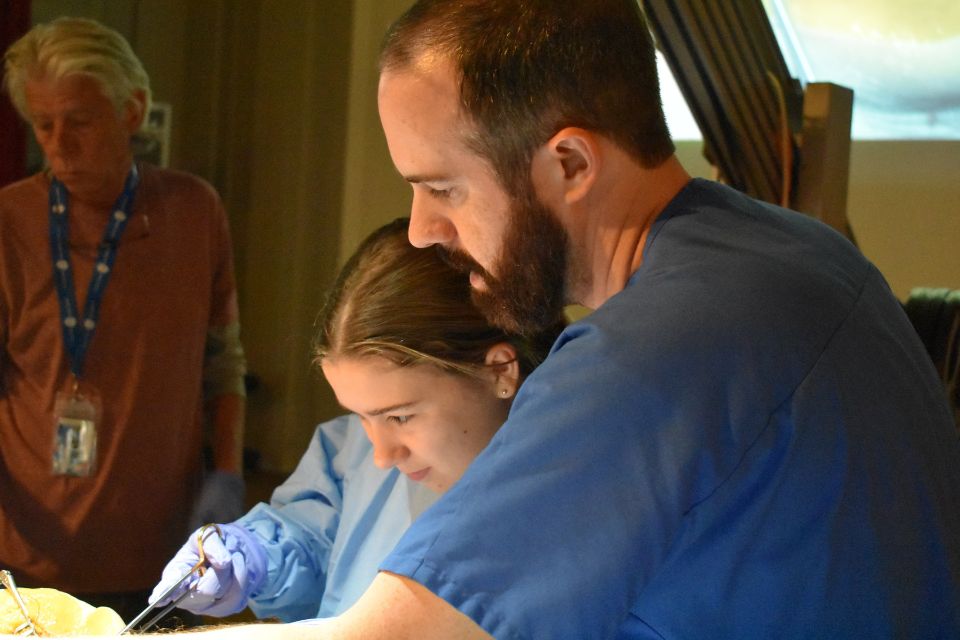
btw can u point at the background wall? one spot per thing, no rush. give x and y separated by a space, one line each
274 102
903 204
904 207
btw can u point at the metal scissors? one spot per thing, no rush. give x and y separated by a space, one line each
198 568
26 628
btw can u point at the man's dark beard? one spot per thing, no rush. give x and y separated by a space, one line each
528 295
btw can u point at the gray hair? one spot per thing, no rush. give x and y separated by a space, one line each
67 46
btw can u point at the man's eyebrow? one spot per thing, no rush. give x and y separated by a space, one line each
70 113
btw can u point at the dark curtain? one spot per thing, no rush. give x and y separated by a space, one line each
14 22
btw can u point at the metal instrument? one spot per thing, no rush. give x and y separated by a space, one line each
26 628
198 569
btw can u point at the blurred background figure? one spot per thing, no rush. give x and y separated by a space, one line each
119 333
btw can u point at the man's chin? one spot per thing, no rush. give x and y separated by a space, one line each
496 311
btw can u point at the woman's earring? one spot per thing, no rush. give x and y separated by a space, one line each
504 392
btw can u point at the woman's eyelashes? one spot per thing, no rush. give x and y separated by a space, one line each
401 419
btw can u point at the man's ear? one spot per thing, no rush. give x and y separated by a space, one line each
135 111
501 361
565 168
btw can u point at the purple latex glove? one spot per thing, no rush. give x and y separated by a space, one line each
237 568
220 499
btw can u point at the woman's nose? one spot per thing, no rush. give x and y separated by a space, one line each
387 451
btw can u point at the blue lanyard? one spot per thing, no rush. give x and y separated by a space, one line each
78 330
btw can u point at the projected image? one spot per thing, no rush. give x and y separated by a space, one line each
902 59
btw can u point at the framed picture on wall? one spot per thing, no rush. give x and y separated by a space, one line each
152 143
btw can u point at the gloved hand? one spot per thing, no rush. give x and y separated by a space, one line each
237 568
220 499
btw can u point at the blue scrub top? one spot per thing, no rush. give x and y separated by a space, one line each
749 441
328 527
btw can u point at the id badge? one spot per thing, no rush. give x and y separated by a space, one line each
75 433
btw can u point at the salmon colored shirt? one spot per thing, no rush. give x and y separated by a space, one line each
172 282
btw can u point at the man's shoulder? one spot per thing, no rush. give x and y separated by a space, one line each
29 187
716 220
20 199
722 290
188 192
718 248
175 181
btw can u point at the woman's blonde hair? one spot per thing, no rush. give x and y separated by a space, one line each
67 46
406 304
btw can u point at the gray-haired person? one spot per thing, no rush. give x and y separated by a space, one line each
118 333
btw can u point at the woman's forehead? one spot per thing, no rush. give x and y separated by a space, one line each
377 366
366 384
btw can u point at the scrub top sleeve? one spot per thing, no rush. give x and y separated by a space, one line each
296 560
299 527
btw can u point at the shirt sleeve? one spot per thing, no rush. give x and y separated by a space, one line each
224 363
4 322
299 526
224 308
3 342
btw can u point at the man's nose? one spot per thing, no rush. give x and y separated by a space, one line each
387 451
427 226
60 142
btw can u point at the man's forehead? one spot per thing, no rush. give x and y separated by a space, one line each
72 87
424 62
429 73
420 111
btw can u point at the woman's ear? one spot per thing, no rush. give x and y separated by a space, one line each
502 363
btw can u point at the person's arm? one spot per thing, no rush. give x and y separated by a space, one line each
227 413
224 361
393 608
397 608
224 366
274 558
298 529
3 341
221 498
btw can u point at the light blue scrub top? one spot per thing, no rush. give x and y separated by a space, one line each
749 441
328 527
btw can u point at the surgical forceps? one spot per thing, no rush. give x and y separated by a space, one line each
26 628
198 568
